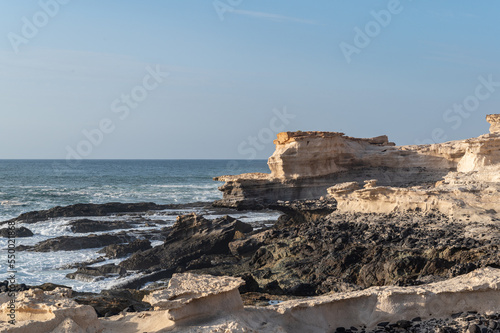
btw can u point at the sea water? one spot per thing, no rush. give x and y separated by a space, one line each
29 185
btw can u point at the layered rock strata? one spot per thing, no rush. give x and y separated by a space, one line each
305 164
473 190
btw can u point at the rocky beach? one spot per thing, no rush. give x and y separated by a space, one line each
368 236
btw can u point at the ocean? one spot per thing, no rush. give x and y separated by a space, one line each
29 185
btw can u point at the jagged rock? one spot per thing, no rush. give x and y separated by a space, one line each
91 274
86 225
190 296
67 243
113 302
302 211
121 250
342 252
39 311
19 232
246 246
189 238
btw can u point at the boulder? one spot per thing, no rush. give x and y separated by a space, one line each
194 297
19 232
50 311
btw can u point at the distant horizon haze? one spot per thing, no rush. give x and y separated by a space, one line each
219 79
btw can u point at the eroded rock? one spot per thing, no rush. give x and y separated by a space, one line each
304 163
190 296
39 311
189 238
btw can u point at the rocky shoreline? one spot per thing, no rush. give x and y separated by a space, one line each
311 250
416 251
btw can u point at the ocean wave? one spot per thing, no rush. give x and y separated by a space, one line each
12 203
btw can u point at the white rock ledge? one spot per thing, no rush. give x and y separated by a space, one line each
476 291
203 303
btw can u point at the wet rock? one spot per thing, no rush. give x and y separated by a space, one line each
474 329
189 238
90 274
86 225
113 302
67 243
19 232
121 250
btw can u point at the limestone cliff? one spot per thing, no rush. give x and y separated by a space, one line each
305 164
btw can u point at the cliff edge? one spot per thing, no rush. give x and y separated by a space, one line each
305 164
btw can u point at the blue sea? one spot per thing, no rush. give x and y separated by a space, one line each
29 185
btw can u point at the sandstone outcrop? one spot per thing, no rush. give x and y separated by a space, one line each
44 312
190 296
305 164
494 120
190 304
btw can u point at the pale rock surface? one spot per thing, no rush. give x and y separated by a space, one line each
305 164
476 291
494 120
51 311
190 296
474 194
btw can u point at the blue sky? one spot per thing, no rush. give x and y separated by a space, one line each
238 72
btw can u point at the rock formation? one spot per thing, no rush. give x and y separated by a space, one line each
53 311
190 296
494 120
306 164
472 190
190 304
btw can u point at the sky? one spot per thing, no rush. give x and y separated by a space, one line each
186 79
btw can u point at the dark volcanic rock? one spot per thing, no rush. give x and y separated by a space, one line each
87 210
20 232
121 250
113 302
189 238
344 252
66 243
86 225
301 211
89 274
